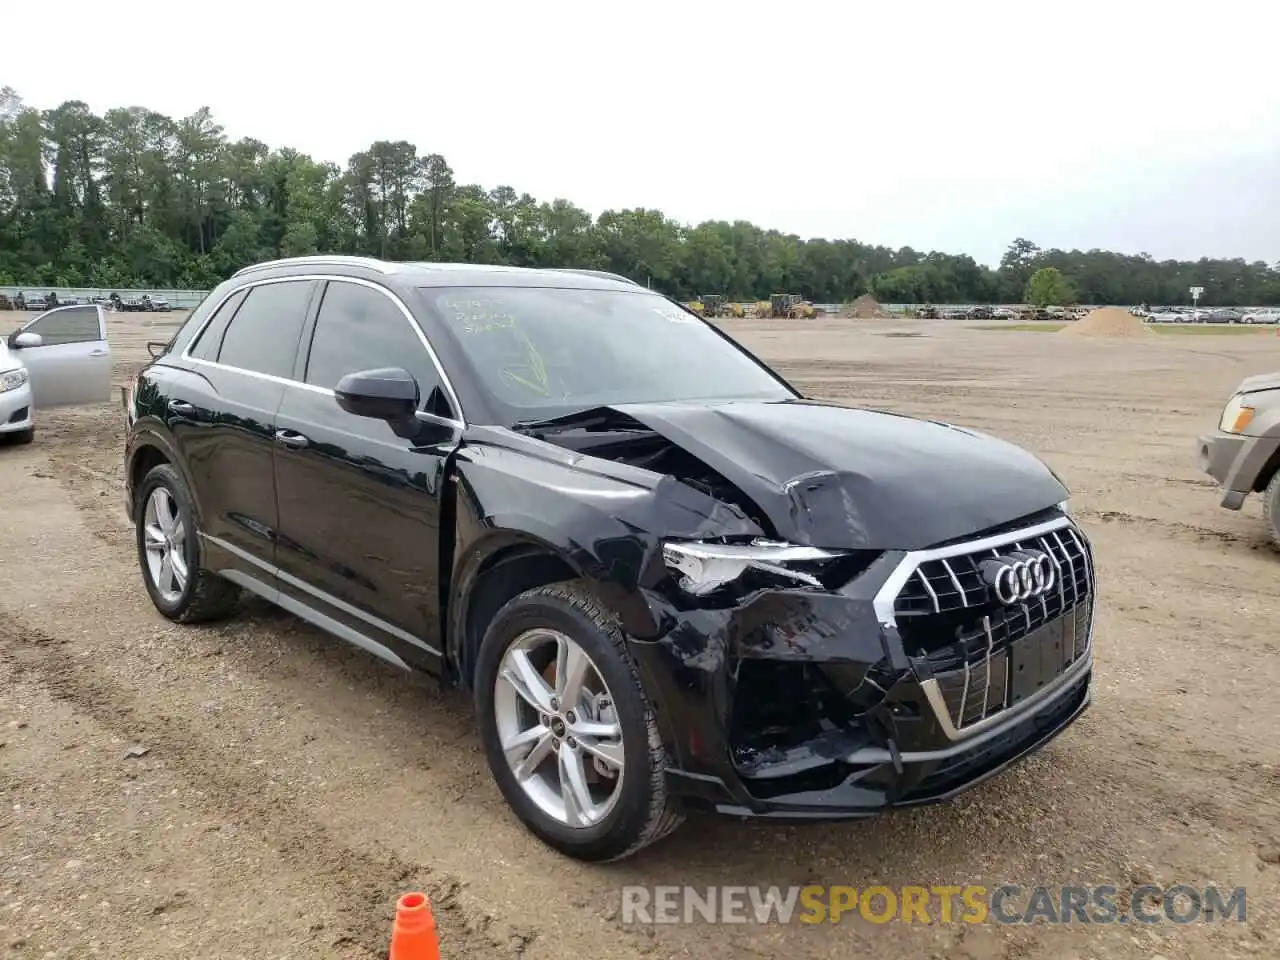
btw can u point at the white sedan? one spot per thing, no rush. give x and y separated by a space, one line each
58 359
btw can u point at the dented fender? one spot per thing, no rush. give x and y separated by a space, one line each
605 520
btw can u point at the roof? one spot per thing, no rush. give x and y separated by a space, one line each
451 274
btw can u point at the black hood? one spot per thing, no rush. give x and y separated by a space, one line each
839 477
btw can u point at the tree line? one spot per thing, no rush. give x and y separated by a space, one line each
133 198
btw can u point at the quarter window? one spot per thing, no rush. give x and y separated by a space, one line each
359 328
206 348
263 335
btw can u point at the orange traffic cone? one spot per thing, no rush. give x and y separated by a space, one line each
413 937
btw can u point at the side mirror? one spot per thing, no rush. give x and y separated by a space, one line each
23 339
387 394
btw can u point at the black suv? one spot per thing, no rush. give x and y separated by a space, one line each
670 580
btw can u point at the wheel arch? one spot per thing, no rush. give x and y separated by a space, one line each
1268 471
502 567
147 450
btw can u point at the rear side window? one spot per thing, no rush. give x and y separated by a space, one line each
359 328
206 348
73 325
263 335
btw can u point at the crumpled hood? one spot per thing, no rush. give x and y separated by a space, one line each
840 477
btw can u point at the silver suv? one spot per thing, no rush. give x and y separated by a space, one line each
1243 455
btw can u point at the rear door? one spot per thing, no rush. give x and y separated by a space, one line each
72 365
360 507
221 413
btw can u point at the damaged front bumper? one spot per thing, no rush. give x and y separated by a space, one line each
908 685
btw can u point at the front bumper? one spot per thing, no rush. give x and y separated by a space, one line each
1236 462
907 736
16 409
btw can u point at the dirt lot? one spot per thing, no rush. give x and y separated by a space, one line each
292 787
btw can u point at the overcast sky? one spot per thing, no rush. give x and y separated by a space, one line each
957 126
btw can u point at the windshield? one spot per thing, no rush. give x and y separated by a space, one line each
544 352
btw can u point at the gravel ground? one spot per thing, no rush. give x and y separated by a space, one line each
256 789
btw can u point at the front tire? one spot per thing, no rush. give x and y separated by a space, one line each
1271 508
169 552
567 729
21 437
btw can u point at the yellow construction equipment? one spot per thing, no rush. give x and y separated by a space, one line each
734 310
712 304
697 307
781 305
762 309
804 310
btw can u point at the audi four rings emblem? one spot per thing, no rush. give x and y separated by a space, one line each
1019 575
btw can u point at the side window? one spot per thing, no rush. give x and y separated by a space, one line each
72 325
263 335
206 347
359 328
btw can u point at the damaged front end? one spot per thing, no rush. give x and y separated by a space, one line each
797 681
900 678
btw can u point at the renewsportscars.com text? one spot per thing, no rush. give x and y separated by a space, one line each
962 903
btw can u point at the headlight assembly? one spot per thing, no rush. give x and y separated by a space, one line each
1237 415
12 379
703 567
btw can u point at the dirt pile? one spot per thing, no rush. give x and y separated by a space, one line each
866 307
1107 322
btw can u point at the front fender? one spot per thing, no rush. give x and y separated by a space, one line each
1255 461
607 530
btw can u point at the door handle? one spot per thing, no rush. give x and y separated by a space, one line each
97 353
182 407
292 439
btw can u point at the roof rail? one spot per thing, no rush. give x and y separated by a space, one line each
320 259
604 274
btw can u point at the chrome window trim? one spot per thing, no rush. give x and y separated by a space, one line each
460 422
887 596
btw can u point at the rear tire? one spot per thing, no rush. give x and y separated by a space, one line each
169 552
1271 508
637 809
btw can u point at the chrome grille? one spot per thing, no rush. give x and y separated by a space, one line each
986 656
946 584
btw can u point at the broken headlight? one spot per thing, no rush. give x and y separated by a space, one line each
704 567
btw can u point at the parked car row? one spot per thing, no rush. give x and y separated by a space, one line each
1216 315
49 301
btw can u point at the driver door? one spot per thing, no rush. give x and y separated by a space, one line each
72 364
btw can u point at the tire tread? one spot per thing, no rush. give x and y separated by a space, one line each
1271 509
663 814
212 597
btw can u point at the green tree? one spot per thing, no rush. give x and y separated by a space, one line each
1048 287
134 198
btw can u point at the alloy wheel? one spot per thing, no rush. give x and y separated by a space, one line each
164 538
558 728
